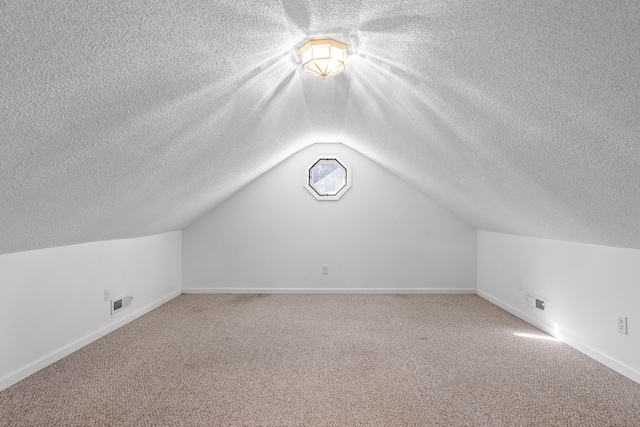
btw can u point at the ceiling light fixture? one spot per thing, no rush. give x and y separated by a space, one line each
323 57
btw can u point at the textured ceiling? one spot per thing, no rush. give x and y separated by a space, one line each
123 119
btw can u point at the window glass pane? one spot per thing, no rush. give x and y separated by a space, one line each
327 177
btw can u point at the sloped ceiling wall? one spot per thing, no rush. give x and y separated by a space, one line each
124 119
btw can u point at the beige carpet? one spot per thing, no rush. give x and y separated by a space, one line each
324 360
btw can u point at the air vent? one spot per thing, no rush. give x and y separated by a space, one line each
536 302
121 303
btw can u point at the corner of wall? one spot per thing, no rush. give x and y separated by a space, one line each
585 287
37 332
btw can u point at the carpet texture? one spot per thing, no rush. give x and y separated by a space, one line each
324 360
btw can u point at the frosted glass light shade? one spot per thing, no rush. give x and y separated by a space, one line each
323 57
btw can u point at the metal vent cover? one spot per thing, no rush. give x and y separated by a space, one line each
121 303
536 302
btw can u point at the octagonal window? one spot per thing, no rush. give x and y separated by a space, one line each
327 178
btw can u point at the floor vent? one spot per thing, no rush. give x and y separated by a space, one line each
121 303
539 304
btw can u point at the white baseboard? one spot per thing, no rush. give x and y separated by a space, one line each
608 361
33 367
329 291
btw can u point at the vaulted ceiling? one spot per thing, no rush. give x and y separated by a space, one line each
124 119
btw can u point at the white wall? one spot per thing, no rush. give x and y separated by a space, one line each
382 236
586 286
53 299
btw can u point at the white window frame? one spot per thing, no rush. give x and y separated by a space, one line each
314 193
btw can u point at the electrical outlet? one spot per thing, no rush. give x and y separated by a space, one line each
107 294
622 325
325 269
520 285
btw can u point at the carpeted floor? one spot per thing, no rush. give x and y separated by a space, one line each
324 360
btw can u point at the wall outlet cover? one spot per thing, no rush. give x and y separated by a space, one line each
622 325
